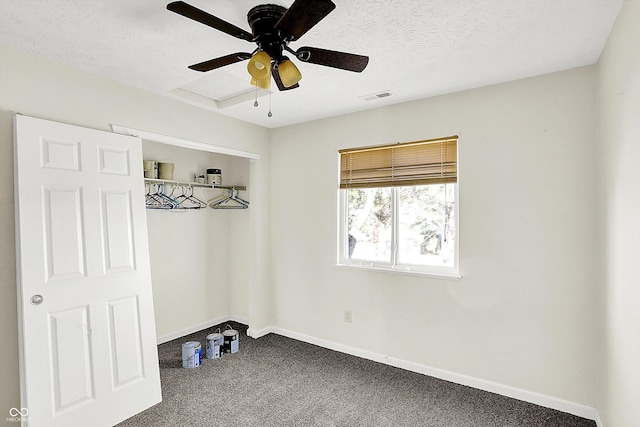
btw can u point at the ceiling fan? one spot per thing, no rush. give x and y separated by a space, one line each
273 27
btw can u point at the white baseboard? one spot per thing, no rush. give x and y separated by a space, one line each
490 386
181 333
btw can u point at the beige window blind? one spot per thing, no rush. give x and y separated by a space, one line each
432 161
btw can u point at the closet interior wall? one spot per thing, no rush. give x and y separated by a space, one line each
197 256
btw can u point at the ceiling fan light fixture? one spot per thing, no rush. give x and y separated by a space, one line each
289 73
262 83
259 65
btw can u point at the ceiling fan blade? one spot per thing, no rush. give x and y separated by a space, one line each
333 58
303 15
191 12
212 64
276 78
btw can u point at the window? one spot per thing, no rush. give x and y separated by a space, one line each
399 207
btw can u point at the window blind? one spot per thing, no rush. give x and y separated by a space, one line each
433 161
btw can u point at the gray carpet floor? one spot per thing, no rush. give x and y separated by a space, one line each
277 381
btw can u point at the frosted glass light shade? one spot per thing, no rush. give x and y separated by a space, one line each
261 83
289 73
259 65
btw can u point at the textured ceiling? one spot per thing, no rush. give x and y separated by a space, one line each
417 48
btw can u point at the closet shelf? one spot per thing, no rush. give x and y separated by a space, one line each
195 184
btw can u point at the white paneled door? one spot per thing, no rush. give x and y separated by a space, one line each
88 352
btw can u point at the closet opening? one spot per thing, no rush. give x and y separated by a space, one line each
198 256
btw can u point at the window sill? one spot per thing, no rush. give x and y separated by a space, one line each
449 275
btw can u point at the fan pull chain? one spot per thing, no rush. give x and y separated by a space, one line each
255 103
269 113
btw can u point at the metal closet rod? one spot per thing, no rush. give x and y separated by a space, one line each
195 184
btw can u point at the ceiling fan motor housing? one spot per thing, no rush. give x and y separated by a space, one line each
263 19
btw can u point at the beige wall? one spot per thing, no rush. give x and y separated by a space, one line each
619 150
523 314
43 89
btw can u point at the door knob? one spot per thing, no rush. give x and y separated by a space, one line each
37 299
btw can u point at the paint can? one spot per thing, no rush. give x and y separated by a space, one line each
214 345
231 340
214 176
191 354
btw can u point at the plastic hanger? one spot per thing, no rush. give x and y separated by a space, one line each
187 200
232 201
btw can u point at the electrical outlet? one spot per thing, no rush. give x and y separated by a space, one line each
347 316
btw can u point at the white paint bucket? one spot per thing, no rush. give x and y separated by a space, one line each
231 340
165 170
191 354
214 345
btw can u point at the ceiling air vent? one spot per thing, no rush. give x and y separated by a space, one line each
375 96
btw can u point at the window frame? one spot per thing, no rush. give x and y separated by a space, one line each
393 266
